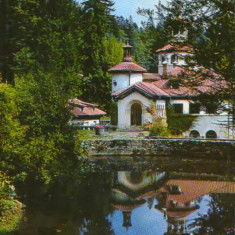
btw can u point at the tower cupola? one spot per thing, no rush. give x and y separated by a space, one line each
127 53
127 72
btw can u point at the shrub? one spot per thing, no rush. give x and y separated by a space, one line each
158 128
179 123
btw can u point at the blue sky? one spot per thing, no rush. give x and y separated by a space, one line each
129 7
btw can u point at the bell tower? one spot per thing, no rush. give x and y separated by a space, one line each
127 72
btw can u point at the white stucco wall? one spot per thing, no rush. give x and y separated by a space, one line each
136 77
122 80
125 79
207 122
124 109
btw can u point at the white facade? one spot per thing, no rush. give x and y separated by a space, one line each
124 109
122 80
203 123
213 122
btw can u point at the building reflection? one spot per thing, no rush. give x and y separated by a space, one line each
132 188
176 199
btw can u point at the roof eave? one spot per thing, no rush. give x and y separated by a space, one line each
146 94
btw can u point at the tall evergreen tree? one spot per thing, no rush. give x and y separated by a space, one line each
97 21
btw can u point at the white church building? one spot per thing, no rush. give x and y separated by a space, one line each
135 90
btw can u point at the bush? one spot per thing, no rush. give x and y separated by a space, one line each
179 123
158 128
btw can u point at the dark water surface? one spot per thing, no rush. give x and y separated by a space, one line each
184 200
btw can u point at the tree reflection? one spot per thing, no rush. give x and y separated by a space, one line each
220 219
72 206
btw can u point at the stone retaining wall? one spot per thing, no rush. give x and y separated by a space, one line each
161 147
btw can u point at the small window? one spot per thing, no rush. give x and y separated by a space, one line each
174 59
194 108
194 134
211 134
163 59
114 83
178 108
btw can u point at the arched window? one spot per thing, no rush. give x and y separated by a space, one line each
174 59
211 134
194 134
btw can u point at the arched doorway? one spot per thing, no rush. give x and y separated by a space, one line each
136 114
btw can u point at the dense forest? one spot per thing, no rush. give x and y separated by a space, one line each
54 50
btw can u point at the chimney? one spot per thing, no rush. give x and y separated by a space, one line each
164 68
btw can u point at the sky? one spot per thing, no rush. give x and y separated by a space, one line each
129 7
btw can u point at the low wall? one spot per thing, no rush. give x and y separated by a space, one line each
161 147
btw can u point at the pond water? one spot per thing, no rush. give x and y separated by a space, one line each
132 202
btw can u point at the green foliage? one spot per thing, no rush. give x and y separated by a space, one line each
11 215
35 134
158 128
7 191
12 133
179 123
114 113
113 50
10 209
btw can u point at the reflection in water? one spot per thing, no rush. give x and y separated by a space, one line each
135 203
176 200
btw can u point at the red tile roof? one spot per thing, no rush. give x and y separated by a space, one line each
179 214
81 108
151 76
129 207
176 47
87 111
176 71
145 87
127 67
193 189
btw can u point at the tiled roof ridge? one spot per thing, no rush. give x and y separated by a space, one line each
153 89
176 46
127 67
